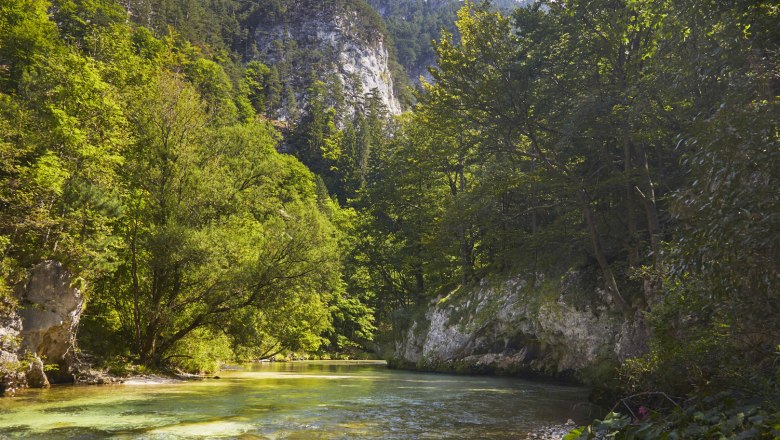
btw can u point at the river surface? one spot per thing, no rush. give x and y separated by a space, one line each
299 400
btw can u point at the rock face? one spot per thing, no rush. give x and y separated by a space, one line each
11 375
42 331
333 41
550 328
50 311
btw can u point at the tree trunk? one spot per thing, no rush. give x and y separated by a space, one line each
633 249
136 284
148 349
534 223
609 277
651 211
419 281
653 285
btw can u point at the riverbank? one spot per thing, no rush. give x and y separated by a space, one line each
154 379
146 379
551 432
560 327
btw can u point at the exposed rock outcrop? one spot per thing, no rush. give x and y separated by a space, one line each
333 40
12 377
551 328
42 331
50 311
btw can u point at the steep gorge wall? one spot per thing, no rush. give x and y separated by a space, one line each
553 328
331 42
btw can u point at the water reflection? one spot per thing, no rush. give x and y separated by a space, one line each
294 400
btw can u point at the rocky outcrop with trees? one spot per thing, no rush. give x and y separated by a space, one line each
556 328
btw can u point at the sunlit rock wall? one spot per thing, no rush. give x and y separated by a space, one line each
328 42
50 312
42 330
548 327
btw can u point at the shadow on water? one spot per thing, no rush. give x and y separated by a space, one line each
295 400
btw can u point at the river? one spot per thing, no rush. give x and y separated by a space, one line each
297 400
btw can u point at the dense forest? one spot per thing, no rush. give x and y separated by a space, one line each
414 24
635 141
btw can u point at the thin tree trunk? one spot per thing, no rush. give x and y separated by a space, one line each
654 284
598 250
419 279
136 286
633 249
651 211
465 248
534 223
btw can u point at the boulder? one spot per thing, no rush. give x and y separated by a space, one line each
36 377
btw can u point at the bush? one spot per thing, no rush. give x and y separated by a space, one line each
725 415
201 352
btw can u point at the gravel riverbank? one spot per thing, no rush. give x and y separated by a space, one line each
551 432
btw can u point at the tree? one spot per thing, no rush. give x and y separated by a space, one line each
317 141
403 201
134 161
255 78
66 136
26 33
215 89
217 223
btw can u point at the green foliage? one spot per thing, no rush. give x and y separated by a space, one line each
78 19
119 367
200 352
715 327
414 24
25 33
257 80
637 140
215 88
141 163
340 156
715 324
721 416
215 230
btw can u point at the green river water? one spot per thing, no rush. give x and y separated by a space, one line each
299 400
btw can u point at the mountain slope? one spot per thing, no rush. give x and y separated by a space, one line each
339 43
